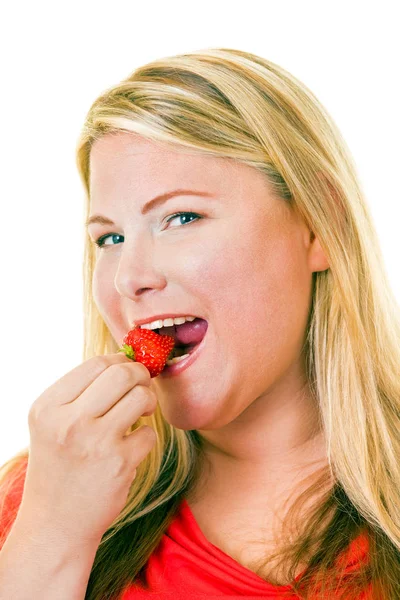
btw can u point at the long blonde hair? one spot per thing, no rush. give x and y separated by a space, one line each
230 103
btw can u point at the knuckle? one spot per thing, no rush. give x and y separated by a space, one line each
35 412
70 430
142 371
32 416
121 373
151 400
104 361
143 396
140 392
99 363
63 435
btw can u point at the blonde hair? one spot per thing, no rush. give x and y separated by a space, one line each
230 103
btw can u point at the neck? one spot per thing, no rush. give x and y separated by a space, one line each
267 451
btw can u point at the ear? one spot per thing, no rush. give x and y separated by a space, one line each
317 256
317 259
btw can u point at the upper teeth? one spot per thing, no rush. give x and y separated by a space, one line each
166 322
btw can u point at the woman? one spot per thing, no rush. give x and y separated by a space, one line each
274 471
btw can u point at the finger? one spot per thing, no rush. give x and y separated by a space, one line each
69 387
141 399
139 443
108 389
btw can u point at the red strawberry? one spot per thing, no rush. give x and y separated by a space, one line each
149 348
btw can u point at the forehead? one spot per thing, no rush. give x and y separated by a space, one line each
126 166
128 159
121 152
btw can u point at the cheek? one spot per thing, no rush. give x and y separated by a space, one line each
105 296
195 267
263 288
101 290
281 293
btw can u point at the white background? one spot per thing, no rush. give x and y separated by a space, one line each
55 60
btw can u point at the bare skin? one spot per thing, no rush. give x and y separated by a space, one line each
245 520
246 267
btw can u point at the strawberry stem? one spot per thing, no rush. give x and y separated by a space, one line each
128 351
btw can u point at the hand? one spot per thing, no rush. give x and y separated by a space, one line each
81 463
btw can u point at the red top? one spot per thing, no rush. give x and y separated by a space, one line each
185 564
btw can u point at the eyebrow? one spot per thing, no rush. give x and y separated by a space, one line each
150 205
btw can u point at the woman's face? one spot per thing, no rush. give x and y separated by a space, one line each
245 266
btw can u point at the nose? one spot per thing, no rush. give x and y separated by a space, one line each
137 271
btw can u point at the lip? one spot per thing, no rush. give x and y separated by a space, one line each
159 317
177 368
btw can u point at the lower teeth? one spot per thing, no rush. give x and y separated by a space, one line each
176 359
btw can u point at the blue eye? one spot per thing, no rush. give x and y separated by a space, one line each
100 241
180 214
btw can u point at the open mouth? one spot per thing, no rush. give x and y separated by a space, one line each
187 336
181 350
